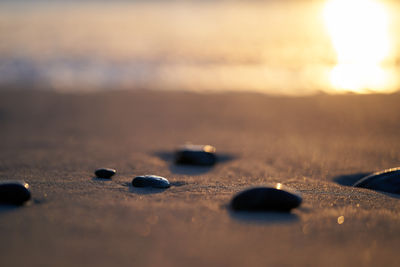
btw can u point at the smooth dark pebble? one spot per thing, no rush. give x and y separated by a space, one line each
275 197
104 173
150 181
202 155
14 192
385 181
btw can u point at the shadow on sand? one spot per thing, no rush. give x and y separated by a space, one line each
5 208
146 190
97 179
266 217
350 179
190 169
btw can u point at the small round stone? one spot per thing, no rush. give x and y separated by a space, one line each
104 173
14 192
150 181
275 197
385 181
202 155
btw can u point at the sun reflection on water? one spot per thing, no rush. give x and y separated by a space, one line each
359 30
272 47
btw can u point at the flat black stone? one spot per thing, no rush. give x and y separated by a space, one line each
202 155
385 181
150 181
270 198
14 192
104 173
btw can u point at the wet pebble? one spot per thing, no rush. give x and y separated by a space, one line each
105 173
150 181
385 181
276 197
203 155
14 192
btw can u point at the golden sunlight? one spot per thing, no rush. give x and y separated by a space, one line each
359 30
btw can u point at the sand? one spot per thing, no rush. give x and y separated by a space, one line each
315 144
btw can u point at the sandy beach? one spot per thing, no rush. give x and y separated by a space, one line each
315 144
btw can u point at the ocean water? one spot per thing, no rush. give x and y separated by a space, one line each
274 47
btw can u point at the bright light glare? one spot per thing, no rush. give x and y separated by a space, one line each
360 36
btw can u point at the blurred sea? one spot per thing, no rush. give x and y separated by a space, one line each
275 47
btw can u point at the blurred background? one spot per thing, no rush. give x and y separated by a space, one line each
277 47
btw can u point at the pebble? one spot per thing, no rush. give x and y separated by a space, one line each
385 181
14 192
203 155
104 173
150 181
275 197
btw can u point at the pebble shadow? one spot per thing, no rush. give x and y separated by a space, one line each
389 194
97 179
179 183
4 208
144 190
350 179
263 217
190 169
